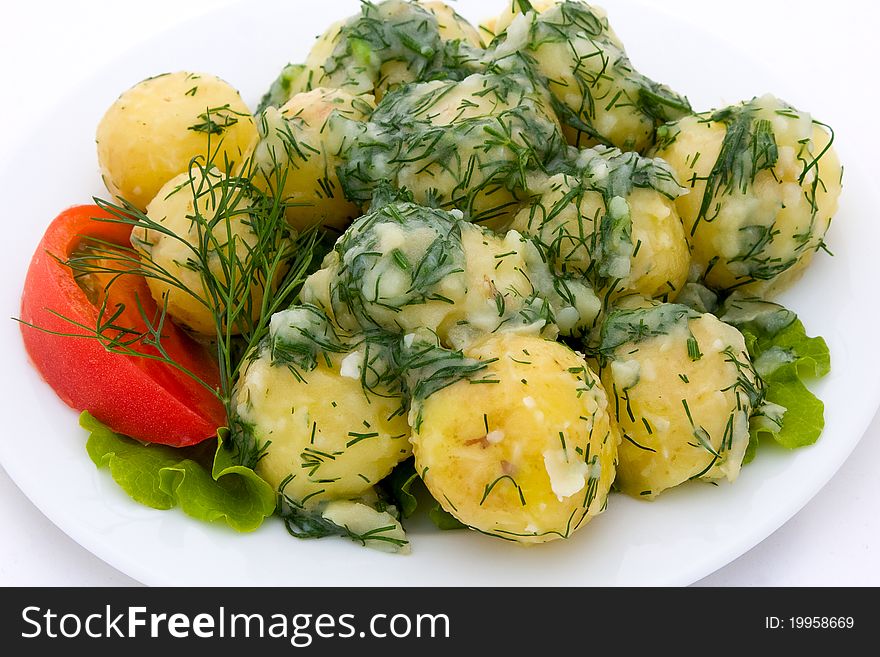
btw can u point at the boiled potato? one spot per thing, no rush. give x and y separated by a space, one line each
365 54
175 254
614 222
303 143
764 184
155 129
397 268
405 267
530 457
391 43
462 145
376 529
682 388
600 97
510 288
329 436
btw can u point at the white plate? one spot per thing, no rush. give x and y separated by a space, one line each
684 535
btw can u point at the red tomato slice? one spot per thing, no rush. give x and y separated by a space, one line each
139 397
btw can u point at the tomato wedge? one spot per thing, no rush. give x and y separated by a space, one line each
140 397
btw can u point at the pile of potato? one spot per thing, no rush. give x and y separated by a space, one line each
523 222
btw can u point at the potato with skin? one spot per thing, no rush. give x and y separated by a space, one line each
682 389
155 129
528 458
763 186
331 438
614 222
303 143
205 193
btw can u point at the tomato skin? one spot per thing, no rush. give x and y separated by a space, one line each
139 397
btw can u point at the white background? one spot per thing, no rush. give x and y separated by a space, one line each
48 48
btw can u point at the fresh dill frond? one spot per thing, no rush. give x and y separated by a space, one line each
215 120
242 285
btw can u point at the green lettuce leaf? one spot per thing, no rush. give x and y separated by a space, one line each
405 487
206 486
443 519
784 356
400 487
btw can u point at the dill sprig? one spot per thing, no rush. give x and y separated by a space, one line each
310 521
749 147
243 283
632 326
215 120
